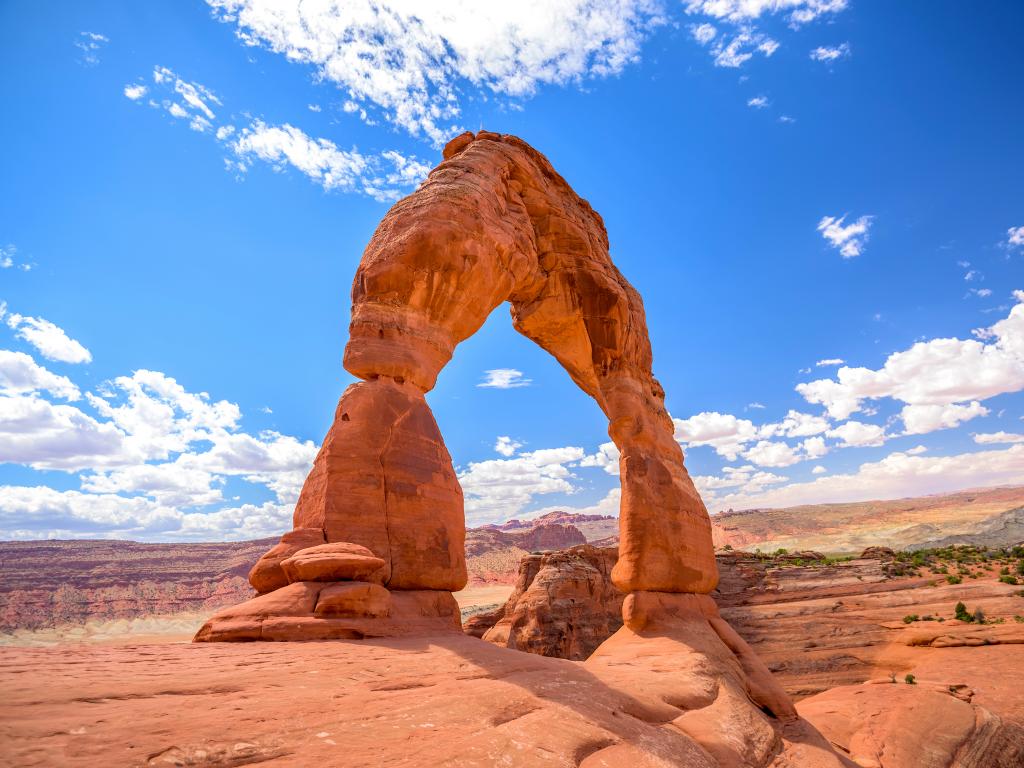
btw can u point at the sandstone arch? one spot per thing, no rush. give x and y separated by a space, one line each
494 222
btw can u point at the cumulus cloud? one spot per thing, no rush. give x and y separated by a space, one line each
20 374
504 378
1015 237
859 434
703 33
830 361
724 432
768 453
922 419
135 91
51 340
506 446
898 475
606 457
938 372
758 102
414 62
850 239
830 54
498 489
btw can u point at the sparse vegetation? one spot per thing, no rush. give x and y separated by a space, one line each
910 680
953 579
911 618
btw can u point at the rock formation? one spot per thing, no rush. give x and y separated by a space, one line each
493 223
564 605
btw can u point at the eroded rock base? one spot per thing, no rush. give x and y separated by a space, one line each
344 610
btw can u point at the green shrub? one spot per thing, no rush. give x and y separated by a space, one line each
911 618
960 612
953 579
910 679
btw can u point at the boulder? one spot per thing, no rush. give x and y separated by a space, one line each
267 575
340 561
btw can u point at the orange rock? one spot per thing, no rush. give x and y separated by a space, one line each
267 575
354 598
340 561
494 223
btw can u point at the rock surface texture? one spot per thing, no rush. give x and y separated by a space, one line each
564 605
493 223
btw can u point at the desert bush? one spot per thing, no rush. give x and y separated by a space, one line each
953 579
910 679
911 618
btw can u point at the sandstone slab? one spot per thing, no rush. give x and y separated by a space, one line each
332 562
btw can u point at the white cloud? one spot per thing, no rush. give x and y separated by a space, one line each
1015 237
755 406
849 240
498 489
414 61
736 51
43 435
382 177
606 457
936 372
858 434
744 479
506 446
767 453
39 512
51 341
990 438
703 33
819 470
135 91
786 119
90 43
313 107
829 54
758 102
981 293
922 419
504 378
740 11
722 431
20 374
830 361
814 447
897 475
795 424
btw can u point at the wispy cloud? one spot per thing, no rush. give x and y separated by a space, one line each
504 378
830 54
758 102
850 239
90 44
51 340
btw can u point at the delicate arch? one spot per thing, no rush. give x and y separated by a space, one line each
494 222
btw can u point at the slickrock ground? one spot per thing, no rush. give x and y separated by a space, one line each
450 700
989 516
821 626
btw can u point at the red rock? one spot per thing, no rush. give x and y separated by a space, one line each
895 725
353 598
340 561
267 575
564 605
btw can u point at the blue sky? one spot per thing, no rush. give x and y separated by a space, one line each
819 200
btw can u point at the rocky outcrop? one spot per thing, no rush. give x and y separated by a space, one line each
885 724
564 605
